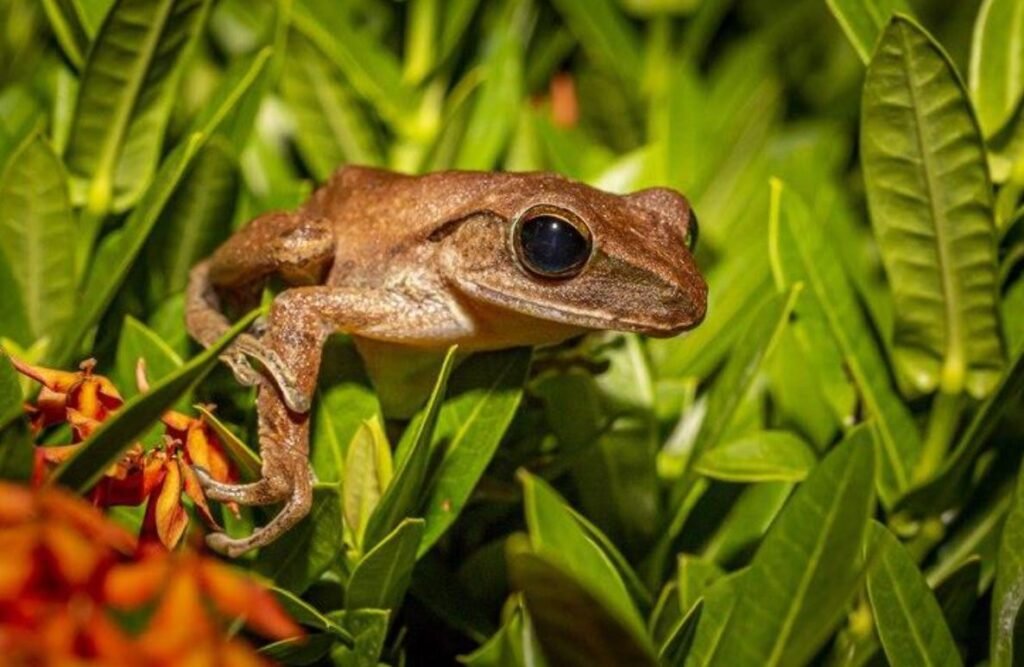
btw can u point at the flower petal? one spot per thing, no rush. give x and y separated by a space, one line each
236 594
131 585
171 517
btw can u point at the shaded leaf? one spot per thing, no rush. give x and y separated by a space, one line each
863 21
137 341
369 628
996 71
759 457
1007 630
381 577
68 25
605 33
677 646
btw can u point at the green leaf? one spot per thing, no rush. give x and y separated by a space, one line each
808 567
16 452
36 233
308 615
574 628
996 71
68 24
368 472
306 650
747 521
370 68
369 629
381 577
694 577
495 106
248 461
931 207
124 98
509 646
863 21
720 601
299 558
484 394
331 127
118 252
1007 637
117 433
806 254
677 646
196 219
907 616
759 457
401 497
555 535
137 342
606 35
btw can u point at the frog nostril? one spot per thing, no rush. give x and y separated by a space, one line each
692 231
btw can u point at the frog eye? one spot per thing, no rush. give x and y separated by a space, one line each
549 245
692 232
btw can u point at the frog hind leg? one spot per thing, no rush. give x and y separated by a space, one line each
295 246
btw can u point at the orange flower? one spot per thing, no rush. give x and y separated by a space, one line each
157 477
66 568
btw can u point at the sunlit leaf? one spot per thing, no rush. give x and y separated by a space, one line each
760 457
931 207
381 577
996 72
864 20
1007 634
137 342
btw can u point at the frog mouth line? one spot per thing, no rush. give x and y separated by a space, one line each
577 317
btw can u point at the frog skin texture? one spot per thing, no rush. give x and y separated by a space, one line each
483 260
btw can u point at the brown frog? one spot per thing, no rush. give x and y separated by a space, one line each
479 259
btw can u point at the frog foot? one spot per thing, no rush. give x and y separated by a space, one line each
297 495
246 347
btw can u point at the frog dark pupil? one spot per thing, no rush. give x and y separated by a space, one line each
551 246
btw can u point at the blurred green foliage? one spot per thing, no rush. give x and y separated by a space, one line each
825 470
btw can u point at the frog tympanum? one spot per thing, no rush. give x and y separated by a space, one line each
479 259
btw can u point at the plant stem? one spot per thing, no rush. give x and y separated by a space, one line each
942 423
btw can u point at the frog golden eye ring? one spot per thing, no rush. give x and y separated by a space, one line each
547 244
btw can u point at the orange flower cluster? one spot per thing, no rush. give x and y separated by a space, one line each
159 476
75 589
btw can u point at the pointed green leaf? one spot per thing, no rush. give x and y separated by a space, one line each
299 558
863 21
808 255
759 457
808 567
401 498
369 629
996 72
720 601
368 472
37 230
483 396
574 628
605 33
1007 637
124 100
117 433
931 207
381 577
907 616
67 21
248 461
675 649
16 451
137 342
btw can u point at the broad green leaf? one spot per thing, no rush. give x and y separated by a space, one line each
248 461
720 599
864 20
381 577
331 127
931 207
495 106
124 99
400 498
16 451
996 71
370 68
37 230
759 457
907 616
343 402
742 369
511 646
951 482
555 535
574 628
957 595
68 25
368 472
808 566
306 650
637 588
677 646
308 615
117 433
747 521
606 34
1007 629
807 255
195 221
137 342
119 250
483 396
299 558
14 323
369 629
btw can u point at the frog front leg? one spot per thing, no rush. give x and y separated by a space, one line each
298 325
